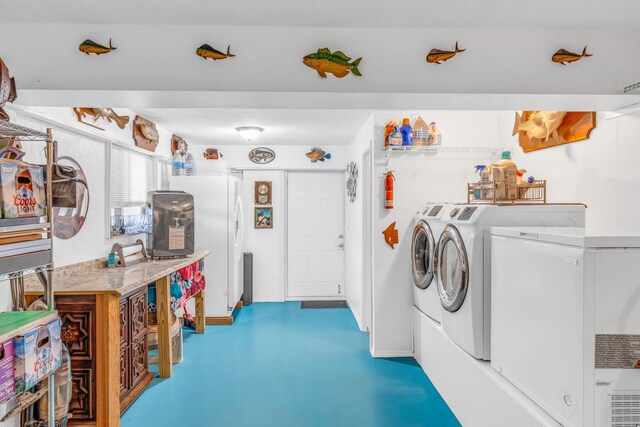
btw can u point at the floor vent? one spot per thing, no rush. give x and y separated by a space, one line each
625 409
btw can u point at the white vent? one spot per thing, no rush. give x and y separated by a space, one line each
625 408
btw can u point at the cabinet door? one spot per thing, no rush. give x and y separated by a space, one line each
78 332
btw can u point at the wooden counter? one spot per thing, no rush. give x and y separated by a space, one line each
104 324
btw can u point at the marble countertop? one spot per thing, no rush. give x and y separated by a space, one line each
93 277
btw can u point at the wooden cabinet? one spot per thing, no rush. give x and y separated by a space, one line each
80 331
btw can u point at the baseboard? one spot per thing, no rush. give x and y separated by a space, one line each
390 354
477 394
356 316
224 320
293 299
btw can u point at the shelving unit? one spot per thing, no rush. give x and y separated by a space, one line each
448 151
18 260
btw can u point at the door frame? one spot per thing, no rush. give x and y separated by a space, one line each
367 238
286 236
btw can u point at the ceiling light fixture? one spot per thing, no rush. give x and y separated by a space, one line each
249 132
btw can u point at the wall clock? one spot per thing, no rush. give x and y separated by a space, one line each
262 190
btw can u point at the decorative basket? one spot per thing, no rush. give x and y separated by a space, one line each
497 192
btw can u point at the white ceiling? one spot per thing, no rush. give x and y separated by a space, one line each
207 126
543 14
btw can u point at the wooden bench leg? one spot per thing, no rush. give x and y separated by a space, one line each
200 317
108 361
163 304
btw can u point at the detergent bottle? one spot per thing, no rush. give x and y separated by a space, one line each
396 137
510 175
388 130
407 132
480 191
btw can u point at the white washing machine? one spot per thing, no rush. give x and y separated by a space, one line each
426 232
566 321
463 263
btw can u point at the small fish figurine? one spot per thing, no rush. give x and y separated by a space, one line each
318 155
565 57
437 55
207 52
89 46
391 235
336 63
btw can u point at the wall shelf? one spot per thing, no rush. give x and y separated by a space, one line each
14 323
449 151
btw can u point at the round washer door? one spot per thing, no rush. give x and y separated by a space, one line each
452 267
423 247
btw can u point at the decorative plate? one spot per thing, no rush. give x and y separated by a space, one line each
262 155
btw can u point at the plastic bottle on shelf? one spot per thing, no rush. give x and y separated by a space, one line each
407 132
395 138
510 174
420 132
388 130
177 165
435 136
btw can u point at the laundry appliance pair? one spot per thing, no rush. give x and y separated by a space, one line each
451 262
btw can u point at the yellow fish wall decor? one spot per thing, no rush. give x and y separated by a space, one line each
89 46
565 57
318 155
336 63
207 52
436 55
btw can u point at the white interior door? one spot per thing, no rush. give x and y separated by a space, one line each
315 235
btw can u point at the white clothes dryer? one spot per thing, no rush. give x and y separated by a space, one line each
463 263
426 232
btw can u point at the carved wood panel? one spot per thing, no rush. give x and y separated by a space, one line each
83 395
125 372
124 322
78 332
138 314
138 360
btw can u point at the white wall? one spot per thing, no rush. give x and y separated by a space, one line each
354 229
601 172
419 178
267 245
270 59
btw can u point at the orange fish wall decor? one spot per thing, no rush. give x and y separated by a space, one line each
436 55
564 57
391 235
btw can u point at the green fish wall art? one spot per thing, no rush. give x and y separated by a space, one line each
336 63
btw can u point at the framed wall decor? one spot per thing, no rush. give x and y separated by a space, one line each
264 217
262 191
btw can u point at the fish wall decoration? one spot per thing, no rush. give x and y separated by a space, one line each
391 235
564 57
212 154
99 117
318 155
207 52
544 129
336 63
89 46
436 55
262 155
7 90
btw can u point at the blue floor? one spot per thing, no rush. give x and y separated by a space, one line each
279 365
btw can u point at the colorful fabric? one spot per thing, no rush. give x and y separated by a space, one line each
184 284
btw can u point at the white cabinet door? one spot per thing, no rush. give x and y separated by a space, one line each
316 235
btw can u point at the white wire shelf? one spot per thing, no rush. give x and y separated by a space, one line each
10 130
448 151
26 272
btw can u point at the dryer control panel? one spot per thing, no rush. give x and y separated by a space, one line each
467 213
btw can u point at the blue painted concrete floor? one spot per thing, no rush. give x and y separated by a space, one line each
279 365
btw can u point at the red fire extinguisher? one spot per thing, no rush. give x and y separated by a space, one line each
388 190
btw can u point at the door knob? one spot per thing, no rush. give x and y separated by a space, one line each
341 245
341 237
